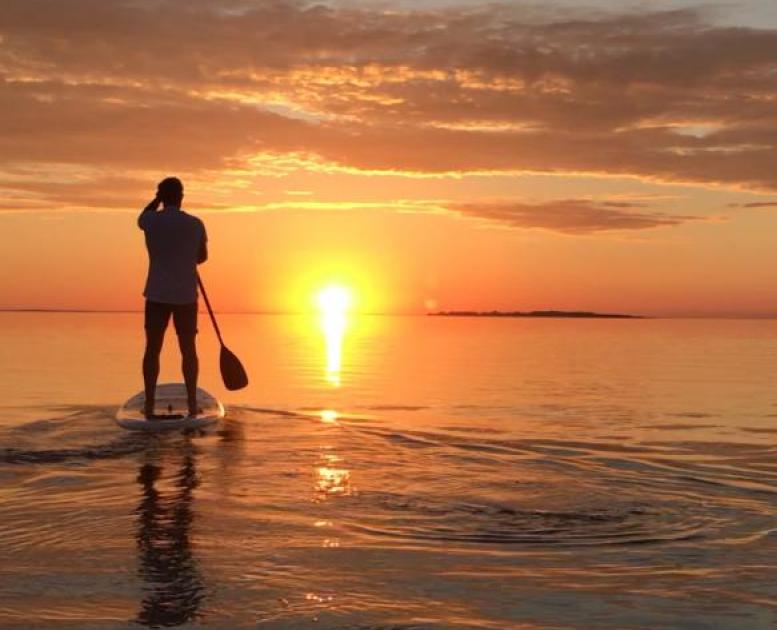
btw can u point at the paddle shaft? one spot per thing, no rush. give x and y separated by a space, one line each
210 310
232 371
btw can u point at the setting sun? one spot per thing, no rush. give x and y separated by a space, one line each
334 300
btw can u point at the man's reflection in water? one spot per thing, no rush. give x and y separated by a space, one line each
174 584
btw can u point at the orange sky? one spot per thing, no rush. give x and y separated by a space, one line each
459 155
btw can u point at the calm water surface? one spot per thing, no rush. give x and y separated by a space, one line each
395 473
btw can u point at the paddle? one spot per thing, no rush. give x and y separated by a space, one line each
232 372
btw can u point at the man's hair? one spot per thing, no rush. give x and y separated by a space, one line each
170 191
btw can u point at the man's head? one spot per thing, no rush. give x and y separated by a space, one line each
170 191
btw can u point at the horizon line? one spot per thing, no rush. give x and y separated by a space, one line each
381 314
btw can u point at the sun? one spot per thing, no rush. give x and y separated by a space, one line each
334 300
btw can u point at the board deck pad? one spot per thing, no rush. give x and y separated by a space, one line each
170 411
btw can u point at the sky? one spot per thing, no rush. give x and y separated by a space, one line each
607 156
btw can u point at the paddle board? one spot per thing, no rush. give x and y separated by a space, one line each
171 410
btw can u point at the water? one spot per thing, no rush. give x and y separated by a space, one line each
396 473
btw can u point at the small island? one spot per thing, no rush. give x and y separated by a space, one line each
571 314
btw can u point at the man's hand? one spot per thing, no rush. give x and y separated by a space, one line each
153 205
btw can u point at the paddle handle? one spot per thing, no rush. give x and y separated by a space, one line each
210 310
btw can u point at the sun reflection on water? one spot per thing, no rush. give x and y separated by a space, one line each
331 479
333 303
329 416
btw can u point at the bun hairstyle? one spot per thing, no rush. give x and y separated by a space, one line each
170 191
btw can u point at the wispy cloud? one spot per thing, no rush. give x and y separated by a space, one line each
756 204
571 216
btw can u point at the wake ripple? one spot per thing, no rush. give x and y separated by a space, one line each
119 447
81 424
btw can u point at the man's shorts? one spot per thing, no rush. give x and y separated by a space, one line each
184 318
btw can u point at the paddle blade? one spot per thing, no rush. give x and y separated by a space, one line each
232 372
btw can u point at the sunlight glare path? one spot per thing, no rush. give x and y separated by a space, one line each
333 302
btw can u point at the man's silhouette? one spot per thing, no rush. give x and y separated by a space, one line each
176 243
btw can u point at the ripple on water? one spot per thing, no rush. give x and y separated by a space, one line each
432 492
591 493
80 433
429 519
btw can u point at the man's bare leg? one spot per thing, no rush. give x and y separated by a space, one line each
190 366
154 342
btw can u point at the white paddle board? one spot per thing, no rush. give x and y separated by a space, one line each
171 409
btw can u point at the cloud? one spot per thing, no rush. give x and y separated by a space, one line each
571 216
100 126
756 204
169 86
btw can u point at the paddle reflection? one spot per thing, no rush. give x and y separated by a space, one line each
173 581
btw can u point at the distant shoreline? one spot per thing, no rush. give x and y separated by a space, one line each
566 314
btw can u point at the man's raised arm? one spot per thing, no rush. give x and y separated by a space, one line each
149 209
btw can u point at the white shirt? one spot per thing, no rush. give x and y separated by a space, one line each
174 240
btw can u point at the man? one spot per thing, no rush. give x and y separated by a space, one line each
176 243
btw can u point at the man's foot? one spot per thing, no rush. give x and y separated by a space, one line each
191 402
148 412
